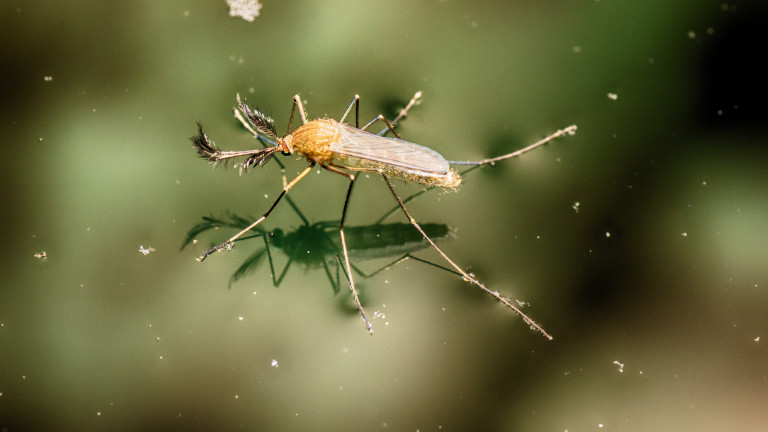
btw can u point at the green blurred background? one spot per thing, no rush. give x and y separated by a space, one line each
654 285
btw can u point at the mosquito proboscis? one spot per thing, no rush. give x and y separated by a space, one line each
344 150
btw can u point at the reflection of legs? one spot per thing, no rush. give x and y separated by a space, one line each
286 188
403 258
464 274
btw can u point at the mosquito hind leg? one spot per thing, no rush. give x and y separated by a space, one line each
570 130
466 276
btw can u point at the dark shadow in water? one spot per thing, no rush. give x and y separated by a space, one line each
318 245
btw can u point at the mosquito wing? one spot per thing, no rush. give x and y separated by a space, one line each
402 155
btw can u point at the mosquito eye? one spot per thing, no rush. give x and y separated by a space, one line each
285 152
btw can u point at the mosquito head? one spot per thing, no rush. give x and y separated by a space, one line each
285 146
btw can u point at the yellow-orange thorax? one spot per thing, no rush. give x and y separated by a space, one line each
314 139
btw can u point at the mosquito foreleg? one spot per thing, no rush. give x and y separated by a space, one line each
285 190
302 113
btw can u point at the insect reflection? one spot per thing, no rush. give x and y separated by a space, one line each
318 245
342 149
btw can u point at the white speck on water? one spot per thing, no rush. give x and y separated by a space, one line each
245 9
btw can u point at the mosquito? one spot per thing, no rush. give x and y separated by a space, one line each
345 150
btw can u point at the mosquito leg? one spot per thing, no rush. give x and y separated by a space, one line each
401 115
464 274
293 111
356 103
382 118
296 103
404 112
256 135
286 188
264 141
390 126
570 130
344 249
302 113
346 257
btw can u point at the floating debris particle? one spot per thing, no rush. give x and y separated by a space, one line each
245 9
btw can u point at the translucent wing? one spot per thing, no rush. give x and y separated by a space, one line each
397 153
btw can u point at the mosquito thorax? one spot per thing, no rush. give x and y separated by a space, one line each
313 139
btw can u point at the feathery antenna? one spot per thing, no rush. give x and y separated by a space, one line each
260 121
210 152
